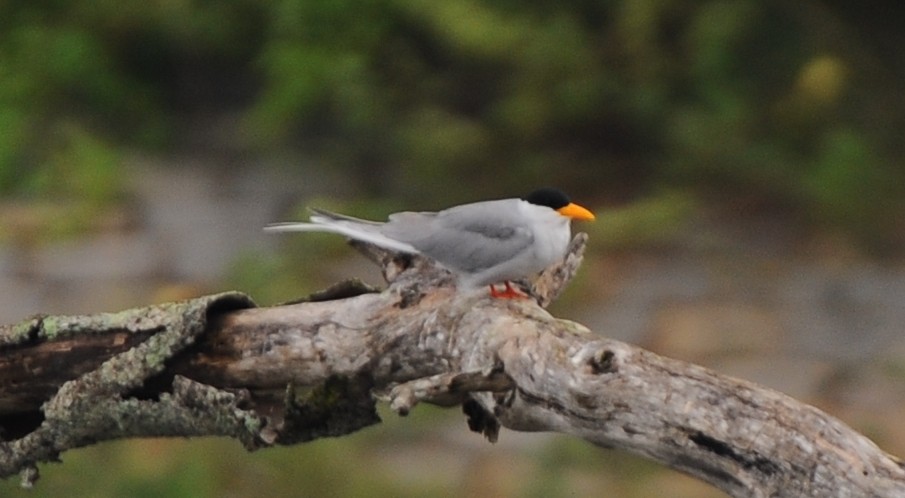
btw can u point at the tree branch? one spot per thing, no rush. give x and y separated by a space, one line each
313 369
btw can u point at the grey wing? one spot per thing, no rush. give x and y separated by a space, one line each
465 238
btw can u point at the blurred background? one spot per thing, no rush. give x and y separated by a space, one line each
743 157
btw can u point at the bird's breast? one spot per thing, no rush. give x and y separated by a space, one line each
551 244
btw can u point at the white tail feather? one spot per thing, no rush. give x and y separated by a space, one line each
365 233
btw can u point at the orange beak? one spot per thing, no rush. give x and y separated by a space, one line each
576 212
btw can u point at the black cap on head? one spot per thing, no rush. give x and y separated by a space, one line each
550 197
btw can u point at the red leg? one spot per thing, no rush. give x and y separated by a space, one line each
508 293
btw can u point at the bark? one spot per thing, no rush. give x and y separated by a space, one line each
297 372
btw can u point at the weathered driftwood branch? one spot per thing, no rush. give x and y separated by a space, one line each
297 372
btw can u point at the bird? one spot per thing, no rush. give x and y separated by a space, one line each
483 243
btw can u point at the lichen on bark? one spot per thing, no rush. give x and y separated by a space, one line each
108 403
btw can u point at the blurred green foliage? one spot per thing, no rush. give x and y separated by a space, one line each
743 103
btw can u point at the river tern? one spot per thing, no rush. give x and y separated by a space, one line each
482 243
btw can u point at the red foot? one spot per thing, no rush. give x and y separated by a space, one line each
508 293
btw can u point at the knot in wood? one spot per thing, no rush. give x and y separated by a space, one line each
602 362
